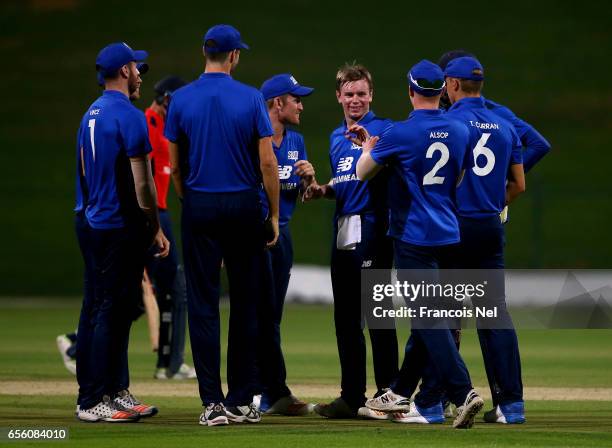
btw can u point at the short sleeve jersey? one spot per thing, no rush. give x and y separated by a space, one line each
288 153
425 154
218 121
352 195
160 156
495 145
112 131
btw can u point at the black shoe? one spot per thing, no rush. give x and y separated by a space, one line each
336 409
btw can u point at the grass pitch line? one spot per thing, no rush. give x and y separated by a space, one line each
190 389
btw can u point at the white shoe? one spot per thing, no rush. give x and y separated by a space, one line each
243 414
257 400
214 415
185 372
426 416
466 413
370 414
63 344
108 411
127 400
389 402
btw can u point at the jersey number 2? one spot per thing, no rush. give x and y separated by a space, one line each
92 126
431 178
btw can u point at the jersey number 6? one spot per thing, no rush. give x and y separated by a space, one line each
482 150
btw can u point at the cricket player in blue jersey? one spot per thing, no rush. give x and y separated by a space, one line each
220 153
283 95
121 222
495 180
360 241
427 154
535 146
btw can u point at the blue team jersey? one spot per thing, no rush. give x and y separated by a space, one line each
495 146
534 144
426 154
218 122
80 203
352 195
288 153
112 130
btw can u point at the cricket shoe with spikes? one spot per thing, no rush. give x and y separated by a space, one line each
508 414
466 413
389 402
129 401
431 415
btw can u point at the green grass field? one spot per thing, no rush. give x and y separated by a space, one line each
565 363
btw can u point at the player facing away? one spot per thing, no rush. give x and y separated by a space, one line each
360 242
167 274
220 148
426 153
283 95
121 223
495 180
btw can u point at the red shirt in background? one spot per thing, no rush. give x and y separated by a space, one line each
160 156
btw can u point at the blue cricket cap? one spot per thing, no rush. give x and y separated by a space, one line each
282 84
222 38
114 56
426 78
466 67
142 67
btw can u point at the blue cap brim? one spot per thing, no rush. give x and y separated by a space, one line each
140 55
142 67
302 91
244 46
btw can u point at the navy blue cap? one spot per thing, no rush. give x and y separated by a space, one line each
282 84
114 56
465 67
222 38
450 55
142 67
426 78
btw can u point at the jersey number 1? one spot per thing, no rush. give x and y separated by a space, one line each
92 126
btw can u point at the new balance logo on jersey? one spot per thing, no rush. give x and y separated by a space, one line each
345 164
284 172
355 146
366 263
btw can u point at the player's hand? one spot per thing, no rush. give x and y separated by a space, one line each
357 134
304 169
314 191
162 243
271 231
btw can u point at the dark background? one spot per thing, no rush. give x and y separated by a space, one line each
548 61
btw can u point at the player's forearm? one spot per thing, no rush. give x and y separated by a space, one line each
366 167
175 170
269 171
536 147
516 183
146 194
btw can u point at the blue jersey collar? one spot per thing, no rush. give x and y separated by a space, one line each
214 75
367 118
425 113
115 94
468 103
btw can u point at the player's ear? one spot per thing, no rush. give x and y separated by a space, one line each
338 95
125 71
410 92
